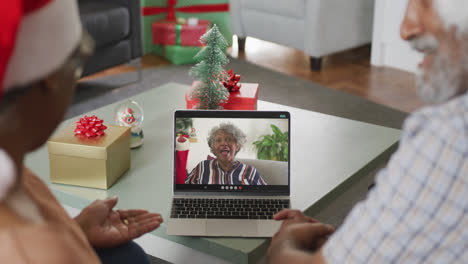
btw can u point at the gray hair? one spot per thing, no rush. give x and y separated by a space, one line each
452 13
238 135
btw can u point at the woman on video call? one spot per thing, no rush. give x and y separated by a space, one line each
225 141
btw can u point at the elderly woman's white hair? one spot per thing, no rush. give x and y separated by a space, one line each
238 135
453 13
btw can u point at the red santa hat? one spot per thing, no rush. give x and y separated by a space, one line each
453 13
36 37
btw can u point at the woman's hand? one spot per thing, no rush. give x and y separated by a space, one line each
105 227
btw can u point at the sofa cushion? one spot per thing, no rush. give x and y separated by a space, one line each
289 8
105 58
273 172
107 22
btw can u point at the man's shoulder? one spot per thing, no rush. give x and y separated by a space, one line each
447 120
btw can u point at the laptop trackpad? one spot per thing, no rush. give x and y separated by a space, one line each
228 227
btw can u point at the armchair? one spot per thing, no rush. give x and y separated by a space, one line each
317 27
273 172
115 26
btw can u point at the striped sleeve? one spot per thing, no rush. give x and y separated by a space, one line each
255 177
194 175
211 173
202 173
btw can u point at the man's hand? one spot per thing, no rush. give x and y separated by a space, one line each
298 238
105 227
293 216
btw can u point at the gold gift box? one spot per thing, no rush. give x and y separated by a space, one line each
90 162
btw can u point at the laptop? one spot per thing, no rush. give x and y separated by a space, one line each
231 172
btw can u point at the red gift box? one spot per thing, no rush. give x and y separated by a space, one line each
244 99
166 32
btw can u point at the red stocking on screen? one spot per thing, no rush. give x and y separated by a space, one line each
182 150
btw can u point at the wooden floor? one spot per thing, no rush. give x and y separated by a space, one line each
348 71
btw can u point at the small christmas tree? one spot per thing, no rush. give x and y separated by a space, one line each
210 70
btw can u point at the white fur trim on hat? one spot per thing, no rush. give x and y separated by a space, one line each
7 174
453 13
181 146
46 37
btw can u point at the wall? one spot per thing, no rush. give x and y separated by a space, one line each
253 128
388 49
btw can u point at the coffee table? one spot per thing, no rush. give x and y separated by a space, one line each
327 153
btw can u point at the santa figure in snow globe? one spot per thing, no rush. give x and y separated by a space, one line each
130 114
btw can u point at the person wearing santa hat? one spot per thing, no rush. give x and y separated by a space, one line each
42 51
418 210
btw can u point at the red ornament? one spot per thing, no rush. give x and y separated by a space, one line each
90 126
232 82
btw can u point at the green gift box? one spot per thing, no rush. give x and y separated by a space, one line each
180 54
216 11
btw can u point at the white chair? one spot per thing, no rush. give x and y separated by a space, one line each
273 172
317 27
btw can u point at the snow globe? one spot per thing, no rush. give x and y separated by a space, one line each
130 114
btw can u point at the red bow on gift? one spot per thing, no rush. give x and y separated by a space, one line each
90 126
232 82
171 9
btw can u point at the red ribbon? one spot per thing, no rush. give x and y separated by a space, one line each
182 138
90 126
171 9
232 83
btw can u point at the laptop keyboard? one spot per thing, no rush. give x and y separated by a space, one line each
227 208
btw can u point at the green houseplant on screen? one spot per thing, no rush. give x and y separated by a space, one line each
274 146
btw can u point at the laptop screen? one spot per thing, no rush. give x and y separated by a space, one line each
232 151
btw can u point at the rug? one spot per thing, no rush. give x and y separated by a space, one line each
274 87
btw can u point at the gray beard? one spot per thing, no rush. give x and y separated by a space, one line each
443 82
